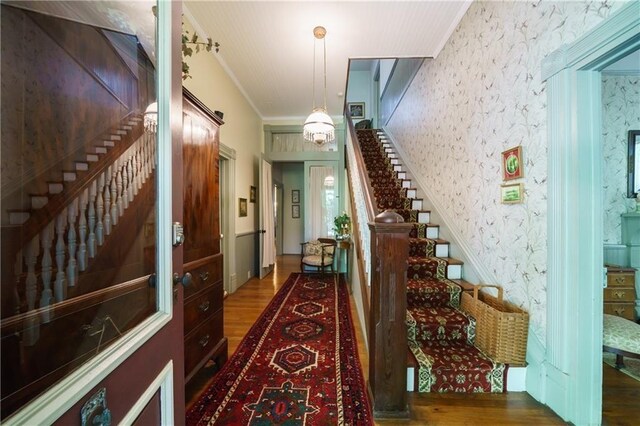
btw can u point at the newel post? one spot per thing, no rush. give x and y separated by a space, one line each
388 330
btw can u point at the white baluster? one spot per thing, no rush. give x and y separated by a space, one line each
145 158
60 287
130 184
82 231
114 194
72 265
47 271
138 172
107 202
31 329
91 242
100 211
119 203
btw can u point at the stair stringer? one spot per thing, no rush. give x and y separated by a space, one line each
475 271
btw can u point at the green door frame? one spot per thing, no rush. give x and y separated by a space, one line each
569 377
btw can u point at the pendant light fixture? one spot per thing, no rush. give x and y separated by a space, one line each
319 127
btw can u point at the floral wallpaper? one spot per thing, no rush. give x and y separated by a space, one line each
620 113
482 95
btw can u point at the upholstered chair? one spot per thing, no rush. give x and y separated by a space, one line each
318 253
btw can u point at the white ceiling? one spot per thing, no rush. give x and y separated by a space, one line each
267 46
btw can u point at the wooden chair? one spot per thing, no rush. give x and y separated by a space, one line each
318 253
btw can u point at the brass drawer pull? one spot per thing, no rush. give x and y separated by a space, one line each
204 276
619 294
619 311
619 280
204 306
204 341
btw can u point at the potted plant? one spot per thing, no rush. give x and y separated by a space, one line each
342 225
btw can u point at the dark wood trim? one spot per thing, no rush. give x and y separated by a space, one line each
198 103
388 329
362 170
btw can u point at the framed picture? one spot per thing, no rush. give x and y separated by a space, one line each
242 207
295 196
512 193
295 211
252 194
356 109
512 165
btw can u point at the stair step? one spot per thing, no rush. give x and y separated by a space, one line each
425 230
121 132
82 166
466 286
18 217
432 293
394 161
406 183
69 176
109 143
115 137
92 158
127 127
456 367
391 155
428 247
416 204
426 267
400 174
412 192
38 201
55 187
454 268
100 150
397 168
440 323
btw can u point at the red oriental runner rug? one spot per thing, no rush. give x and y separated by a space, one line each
298 365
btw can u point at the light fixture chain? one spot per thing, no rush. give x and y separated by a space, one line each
324 44
313 83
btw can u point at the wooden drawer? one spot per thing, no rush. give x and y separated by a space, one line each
621 279
624 310
619 294
202 306
205 273
202 341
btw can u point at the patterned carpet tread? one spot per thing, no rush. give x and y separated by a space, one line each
431 292
441 323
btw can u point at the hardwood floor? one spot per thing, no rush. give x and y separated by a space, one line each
621 394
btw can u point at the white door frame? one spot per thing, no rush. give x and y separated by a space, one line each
228 193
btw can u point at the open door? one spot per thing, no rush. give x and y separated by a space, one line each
266 233
98 337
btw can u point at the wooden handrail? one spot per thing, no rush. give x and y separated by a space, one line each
372 211
58 202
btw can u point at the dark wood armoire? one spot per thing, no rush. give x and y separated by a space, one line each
203 296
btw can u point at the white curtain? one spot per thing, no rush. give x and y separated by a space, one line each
269 237
321 200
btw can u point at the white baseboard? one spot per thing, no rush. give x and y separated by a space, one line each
517 379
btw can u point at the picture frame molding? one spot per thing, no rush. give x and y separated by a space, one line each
242 207
353 105
504 194
295 196
516 152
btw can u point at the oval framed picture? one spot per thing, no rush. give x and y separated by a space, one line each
512 165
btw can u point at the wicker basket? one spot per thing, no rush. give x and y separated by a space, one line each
501 327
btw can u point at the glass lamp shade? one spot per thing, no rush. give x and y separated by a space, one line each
151 117
319 127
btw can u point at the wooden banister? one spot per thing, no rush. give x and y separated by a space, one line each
372 210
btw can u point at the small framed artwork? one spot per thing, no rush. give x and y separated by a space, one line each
512 165
512 193
295 196
252 194
295 211
242 207
356 109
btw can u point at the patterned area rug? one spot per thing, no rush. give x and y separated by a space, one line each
631 365
298 365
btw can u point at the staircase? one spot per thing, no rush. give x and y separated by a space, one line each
440 335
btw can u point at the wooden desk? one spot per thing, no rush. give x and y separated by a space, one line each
344 246
620 293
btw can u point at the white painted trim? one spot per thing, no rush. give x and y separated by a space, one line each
472 264
164 383
62 396
454 24
52 404
229 240
516 379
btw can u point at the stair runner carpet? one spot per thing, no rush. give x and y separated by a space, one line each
440 335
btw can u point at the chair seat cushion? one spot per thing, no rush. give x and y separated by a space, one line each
317 260
620 333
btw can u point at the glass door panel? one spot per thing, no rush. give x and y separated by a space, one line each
78 186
